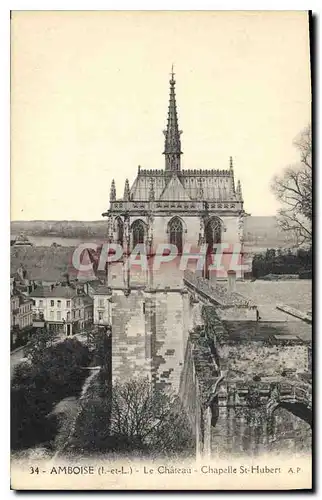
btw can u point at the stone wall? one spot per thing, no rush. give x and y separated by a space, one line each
237 313
149 336
130 356
247 432
241 423
258 358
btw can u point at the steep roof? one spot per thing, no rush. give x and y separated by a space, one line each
87 300
198 185
101 290
43 263
64 292
174 190
40 292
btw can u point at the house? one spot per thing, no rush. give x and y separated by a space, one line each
21 314
21 281
102 296
14 311
65 309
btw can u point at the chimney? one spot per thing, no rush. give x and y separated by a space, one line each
231 281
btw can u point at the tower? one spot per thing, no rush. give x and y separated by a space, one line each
168 207
172 144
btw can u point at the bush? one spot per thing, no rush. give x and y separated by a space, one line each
281 262
305 274
37 387
22 337
149 420
30 425
92 428
135 418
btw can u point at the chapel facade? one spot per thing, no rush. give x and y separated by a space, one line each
178 206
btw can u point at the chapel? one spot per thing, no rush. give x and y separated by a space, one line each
178 205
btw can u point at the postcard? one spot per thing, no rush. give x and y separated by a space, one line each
161 250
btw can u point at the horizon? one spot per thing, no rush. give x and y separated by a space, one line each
104 219
88 107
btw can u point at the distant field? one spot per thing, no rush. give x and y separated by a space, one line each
260 232
60 229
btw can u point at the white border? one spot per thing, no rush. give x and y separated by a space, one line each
5 8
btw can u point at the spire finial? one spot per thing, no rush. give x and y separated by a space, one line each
113 191
126 196
172 146
239 190
231 168
172 74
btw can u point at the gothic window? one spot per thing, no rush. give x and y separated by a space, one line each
175 231
138 232
213 232
119 231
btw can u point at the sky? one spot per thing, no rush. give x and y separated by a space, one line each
89 99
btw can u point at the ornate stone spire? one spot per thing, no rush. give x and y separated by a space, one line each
231 168
113 191
200 189
239 190
126 196
172 144
151 190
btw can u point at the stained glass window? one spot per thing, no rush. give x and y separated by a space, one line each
176 230
213 232
119 231
138 232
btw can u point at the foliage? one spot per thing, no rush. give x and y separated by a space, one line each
148 419
281 262
61 367
21 337
135 418
101 347
214 328
38 385
294 190
39 341
92 427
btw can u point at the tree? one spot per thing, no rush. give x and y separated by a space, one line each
293 189
38 385
39 341
149 420
100 344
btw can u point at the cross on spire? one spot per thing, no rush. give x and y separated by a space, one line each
172 74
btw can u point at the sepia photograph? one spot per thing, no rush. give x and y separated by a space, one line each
161 250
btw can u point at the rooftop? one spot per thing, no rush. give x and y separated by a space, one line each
65 292
43 263
102 290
